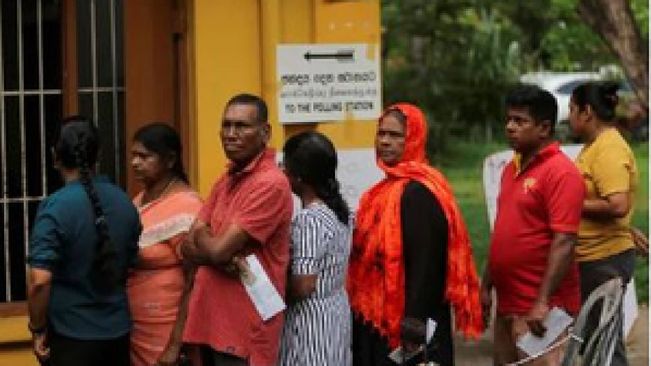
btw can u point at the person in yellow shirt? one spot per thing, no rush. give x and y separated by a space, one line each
605 248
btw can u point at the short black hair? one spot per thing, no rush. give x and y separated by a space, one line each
600 95
254 100
541 104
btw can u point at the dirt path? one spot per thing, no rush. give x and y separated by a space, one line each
637 344
479 353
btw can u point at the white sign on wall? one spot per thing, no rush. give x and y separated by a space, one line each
328 82
357 172
494 165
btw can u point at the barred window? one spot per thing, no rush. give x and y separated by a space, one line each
32 59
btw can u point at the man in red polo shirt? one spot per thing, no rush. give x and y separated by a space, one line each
248 212
531 260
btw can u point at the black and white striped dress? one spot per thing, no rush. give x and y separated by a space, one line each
318 329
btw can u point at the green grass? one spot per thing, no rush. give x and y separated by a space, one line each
462 164
641 218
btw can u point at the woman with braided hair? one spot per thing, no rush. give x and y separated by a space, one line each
318 323
84 240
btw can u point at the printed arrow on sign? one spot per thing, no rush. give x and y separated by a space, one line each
341 55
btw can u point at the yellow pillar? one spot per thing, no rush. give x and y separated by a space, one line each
16 342
271 36
227 61
235 51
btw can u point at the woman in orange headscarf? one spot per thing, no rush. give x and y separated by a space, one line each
411 257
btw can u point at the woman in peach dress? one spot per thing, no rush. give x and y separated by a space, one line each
158 289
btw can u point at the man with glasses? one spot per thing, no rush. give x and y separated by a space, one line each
248 212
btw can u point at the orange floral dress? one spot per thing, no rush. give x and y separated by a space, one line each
156 286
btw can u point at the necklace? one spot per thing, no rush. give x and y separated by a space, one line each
161 194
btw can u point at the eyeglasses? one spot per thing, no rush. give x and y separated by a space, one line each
237 127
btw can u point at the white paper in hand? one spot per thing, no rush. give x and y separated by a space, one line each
431 328
399 356
556 322
262 292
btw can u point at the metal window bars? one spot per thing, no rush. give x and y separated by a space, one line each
31 104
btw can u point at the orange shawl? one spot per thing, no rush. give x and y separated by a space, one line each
376 275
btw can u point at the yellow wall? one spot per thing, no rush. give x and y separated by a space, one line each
235 51
227 61
15 342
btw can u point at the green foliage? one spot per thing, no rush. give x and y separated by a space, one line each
462 164
641 218
641 13
453 58
570 45
457 58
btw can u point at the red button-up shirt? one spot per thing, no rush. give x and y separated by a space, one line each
221 314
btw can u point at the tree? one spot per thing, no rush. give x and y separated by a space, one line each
457 58
453 58
614 22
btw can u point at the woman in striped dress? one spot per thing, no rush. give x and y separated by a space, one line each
318 321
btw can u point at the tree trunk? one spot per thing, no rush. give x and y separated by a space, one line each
613 21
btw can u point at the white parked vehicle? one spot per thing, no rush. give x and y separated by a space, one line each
561 85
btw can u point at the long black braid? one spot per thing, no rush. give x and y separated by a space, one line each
77 147
312 158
